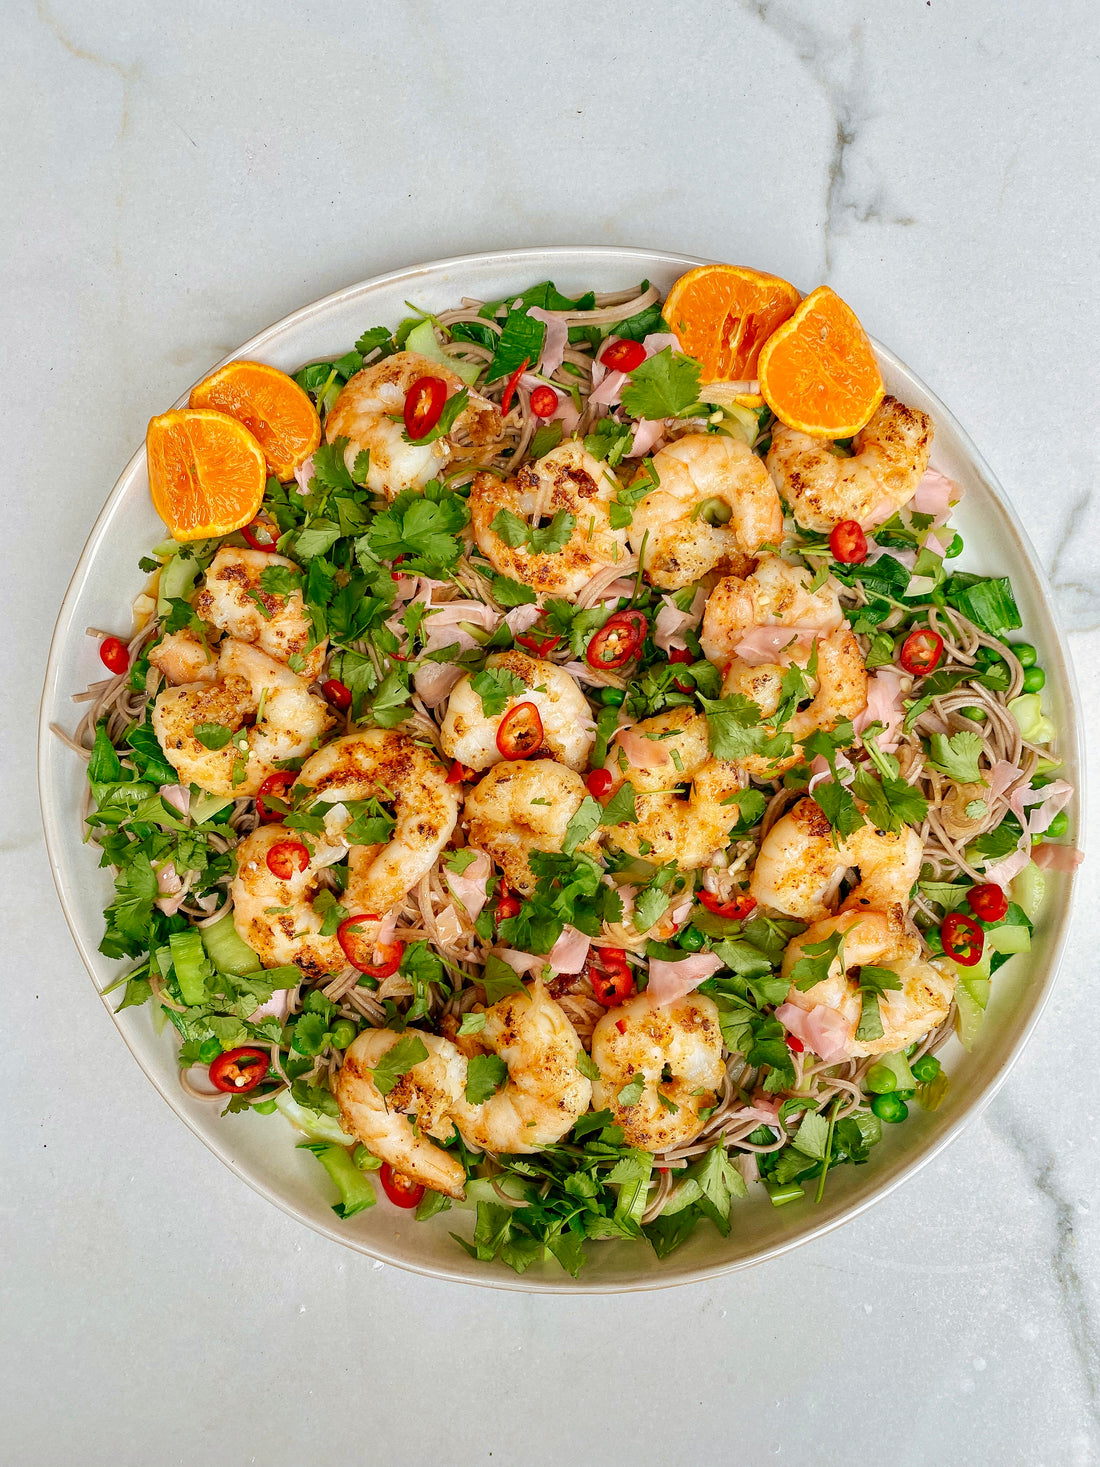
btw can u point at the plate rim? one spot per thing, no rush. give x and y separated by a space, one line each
661 1278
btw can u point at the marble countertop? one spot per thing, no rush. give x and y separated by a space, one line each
177 176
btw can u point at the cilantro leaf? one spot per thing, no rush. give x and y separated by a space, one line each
662 386
587 1066
511 593
485 1074
620 809
839 807
586 819
609 440
890 803
957 756
495 686
816 960
212 735
547 540
472 1023
397 1061
632 1091
498 979
423 527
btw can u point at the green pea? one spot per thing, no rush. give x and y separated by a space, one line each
881 1079
612 697
1034 680
1058 826
889 1108
209 1051
691 939
926 1068
975 714
264 1107
343 1032
1025 652
955 548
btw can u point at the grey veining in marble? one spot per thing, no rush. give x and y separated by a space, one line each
176 176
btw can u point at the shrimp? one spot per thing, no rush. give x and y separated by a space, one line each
545 1092
233 600
427 1093
184 658
393 768
889 457
276 917
567 479
801 862
656 756
776 594
523 806
676 1050
836 687
470 736
269 710
878 939
371 401
714 507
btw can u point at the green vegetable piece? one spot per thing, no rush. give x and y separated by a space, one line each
423 339
783 1192
1035 679
1059 826
397 1061
1026 654
226 950
880 1080
1028 890
691 939
356 1191
612 697
343 1032
1027 710
890 1108
926 1068
975 714
191 964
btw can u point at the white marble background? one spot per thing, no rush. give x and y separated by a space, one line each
178 175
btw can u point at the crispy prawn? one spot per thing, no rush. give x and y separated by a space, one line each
523 806
233 599
469 735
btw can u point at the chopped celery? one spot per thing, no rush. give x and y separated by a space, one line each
1009 939
1027 710
226 950
189 961
312 1122
422 339
356 1192
968 1018
1027 890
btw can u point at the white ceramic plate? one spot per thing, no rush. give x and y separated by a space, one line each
261 1149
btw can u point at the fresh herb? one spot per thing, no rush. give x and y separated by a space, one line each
662 386
485 1074
495 686
398 1060
957 756
547 540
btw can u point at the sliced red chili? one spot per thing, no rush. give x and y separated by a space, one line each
261 534
848 543
337 693
376 959
400 1189
623 356
113 655
988 902
238 1070
507 904
510 388
286 858
921 652
618 641
520 732
680 654
610 975
962 938
423 405
544 402
620 1024
537 644
459 774
274 787
736 907
794 1044
599 783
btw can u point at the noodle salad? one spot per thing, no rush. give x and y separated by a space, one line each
577 793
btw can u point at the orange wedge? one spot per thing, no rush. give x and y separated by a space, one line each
271 405
818 371
723 314
206 472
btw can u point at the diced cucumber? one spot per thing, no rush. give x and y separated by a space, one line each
202 807
897 1062
1009 939
1027 710
977 988
968 1017
226 950
177 581
1028 890
312 1123
422 339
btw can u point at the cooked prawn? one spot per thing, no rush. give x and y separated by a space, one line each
393 768
470 736
523 806
676 1049
889 457
184 658
880 939
715 506
837 690
567 479
667 751
427 1093
252 689
545 1092
368 413
801 861
232 599
776 594
277 917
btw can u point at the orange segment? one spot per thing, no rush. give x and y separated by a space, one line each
723 314
271 405
206 473
818 372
